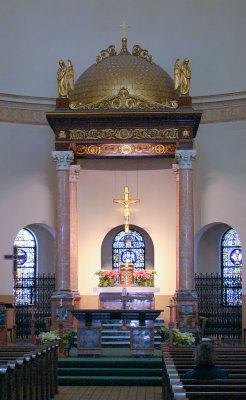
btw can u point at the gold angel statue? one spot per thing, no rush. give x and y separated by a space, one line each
65 78
182 76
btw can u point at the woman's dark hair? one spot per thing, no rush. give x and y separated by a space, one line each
205 354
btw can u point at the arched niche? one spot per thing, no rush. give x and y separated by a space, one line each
46 250
208 247
106 249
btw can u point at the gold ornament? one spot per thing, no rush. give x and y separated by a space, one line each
126 203
110 51
138 51
65 78
61 135
120 150
124 100
123 134
182 76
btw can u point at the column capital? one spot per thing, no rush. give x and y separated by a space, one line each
176 171
62 159
185 158
74 173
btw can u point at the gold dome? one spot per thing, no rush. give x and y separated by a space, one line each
142 83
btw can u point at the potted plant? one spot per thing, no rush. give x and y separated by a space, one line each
144 277
107 278
49 337
179 338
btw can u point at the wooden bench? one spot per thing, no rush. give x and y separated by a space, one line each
177 361
28 375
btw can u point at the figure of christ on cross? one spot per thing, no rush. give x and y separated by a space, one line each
126 203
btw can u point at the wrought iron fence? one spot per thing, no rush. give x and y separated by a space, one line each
42 287
223 321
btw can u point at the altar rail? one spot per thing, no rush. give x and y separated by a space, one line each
223 321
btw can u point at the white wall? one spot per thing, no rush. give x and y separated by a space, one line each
220 178
153 182
208 248
27 178
46 248
34 35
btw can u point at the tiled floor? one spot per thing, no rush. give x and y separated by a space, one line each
109 393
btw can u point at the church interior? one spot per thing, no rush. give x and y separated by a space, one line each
122 151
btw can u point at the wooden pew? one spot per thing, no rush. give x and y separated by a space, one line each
177 361
28 375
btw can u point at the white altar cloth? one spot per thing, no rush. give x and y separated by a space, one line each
126 289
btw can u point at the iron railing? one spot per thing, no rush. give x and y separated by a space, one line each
43 287
223 321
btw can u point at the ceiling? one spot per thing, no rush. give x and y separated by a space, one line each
35 35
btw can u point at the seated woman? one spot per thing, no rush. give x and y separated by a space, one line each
205 368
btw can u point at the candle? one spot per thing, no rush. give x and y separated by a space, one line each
61 302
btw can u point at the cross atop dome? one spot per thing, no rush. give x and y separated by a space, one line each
124 27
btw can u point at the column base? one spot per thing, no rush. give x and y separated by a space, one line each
187 309
62 302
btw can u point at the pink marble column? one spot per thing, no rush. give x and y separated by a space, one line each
186 219
63 160
176 172
73 179
187 302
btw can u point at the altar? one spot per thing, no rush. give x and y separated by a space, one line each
139 322
126 297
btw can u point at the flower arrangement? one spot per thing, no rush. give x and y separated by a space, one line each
107 278
49 337
144 277
179 338
53 336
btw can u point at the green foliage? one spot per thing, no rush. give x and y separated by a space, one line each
182 338
49 337
107 278
53 336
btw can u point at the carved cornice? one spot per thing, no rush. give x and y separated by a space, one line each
124 100
121 150
123 134
31 110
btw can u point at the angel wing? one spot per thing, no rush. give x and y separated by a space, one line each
177 74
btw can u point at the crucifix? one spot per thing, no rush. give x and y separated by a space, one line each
15 257
126 203
124 27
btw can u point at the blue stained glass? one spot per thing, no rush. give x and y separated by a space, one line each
232 269
26 268
129 248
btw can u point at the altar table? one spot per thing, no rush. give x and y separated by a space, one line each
139 322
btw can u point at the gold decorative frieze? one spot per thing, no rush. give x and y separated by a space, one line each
123 134
115 149
138 51
110 51
124 100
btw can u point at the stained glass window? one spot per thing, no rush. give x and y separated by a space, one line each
24 290
129 248
231 269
